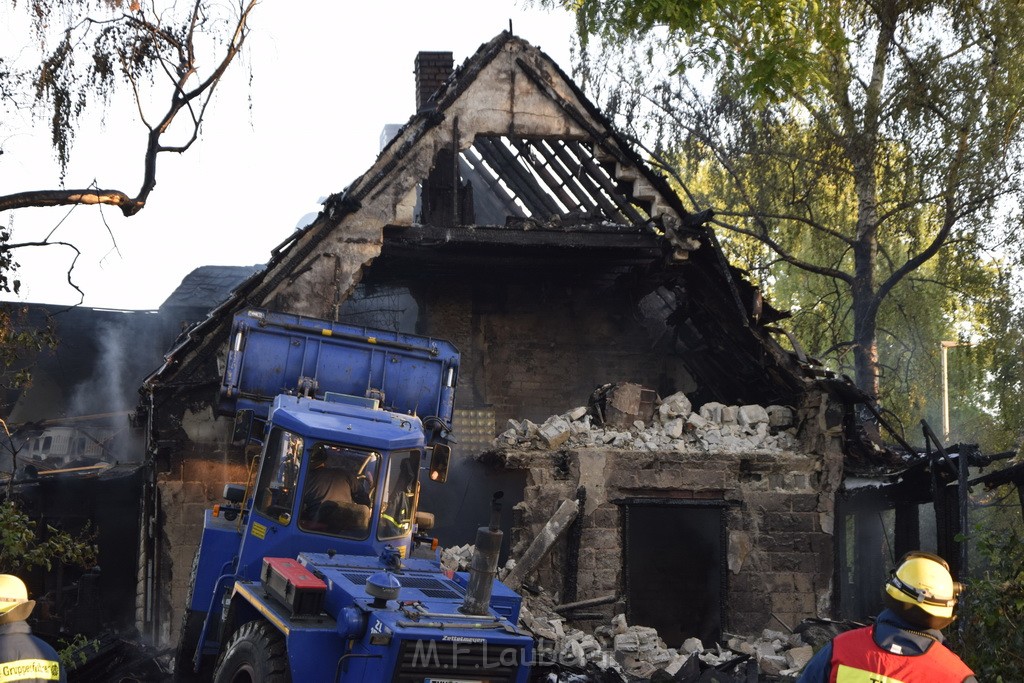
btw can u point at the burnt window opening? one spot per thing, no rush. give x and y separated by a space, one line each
869 543
504 179
674 566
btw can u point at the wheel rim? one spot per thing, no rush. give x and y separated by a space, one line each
244 674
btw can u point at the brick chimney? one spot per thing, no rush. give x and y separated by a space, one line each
432 68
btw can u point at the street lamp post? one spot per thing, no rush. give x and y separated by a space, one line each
945 346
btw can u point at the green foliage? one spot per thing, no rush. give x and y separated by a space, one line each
75 652
87 49
18 345
18 341
23 547
864 163
990 635
82 52
768 46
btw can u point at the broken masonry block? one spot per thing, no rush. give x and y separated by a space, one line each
555 432
695 422
577 413
779 417
678 405
674 428
626 642
770 634
751 415
798 657
691 645
622 404
712 412
772 665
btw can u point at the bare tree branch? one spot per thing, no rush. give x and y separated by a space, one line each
182 97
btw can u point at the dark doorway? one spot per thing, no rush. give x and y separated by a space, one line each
674 567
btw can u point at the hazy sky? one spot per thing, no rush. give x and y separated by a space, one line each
326 76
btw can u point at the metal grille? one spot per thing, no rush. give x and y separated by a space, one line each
420 660
430 587
358 578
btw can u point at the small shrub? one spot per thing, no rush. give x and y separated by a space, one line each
75 652
990 636
22 549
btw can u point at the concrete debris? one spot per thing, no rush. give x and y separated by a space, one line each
629 652
620 405
458 558
674 425
636 652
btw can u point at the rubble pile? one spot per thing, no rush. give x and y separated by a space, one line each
458 557
638 653
632 652
674 426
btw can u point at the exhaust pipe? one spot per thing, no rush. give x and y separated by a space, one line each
484 566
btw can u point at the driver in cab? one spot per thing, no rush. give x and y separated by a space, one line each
335 500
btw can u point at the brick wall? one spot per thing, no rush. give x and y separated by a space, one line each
533 349
778 552
194 484
431 69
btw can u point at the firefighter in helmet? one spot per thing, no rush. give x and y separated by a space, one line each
23 657
905 642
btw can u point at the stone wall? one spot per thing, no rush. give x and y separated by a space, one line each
530 346
192 485
777 501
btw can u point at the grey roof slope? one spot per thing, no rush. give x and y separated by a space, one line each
207 286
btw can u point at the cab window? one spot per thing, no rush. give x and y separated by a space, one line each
279 474
337 497
398 504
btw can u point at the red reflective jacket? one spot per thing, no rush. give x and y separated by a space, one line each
856 658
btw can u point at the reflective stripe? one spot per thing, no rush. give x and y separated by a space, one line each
28 669
848 674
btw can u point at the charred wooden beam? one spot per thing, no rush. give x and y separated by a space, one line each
505 165
492 195
579 237
568 158
582 604
606 183
574 540
542 543
583 201
556 184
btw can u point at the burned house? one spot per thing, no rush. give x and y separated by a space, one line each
508 216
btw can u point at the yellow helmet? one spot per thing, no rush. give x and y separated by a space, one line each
923 580
14 602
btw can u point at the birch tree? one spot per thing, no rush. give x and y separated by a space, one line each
879 131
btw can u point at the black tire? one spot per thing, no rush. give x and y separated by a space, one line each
256 653
188 636
192 628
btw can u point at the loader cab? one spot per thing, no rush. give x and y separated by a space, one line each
333 477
